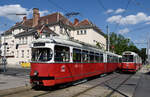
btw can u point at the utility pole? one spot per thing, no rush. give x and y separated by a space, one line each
108 38
148 49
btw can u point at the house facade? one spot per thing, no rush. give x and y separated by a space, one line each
19 37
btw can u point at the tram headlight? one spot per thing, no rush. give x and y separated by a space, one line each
35 73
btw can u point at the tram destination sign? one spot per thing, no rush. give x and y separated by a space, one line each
39 44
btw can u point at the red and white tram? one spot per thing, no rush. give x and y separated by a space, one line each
57 61
131 61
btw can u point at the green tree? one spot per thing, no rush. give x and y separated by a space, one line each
119 44
143 54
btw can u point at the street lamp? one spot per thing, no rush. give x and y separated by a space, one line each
4 44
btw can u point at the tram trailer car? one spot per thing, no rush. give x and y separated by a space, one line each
131 61
57 61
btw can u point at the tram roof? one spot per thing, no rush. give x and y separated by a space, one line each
68 42
130 53
71 42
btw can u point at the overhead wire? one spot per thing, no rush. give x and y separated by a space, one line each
126 7
57 6
140 5
102 5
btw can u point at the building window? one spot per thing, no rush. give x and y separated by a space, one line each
28 53
12 52
12 41
54 28
17 54
84 31
81 32
77 32
20 40
22 53
26 39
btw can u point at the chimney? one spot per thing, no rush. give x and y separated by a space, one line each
46 21
24 18
76 21
36 16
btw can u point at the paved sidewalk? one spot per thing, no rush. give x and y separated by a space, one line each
14 77
143 87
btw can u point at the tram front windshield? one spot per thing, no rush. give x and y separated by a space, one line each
127 58
41 54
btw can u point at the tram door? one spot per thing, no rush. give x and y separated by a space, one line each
105 62
77 66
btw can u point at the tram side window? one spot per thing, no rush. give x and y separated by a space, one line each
91 56
120 60
101 57
97 57
76 55
62 54
41 54
108 58
85 56
115 59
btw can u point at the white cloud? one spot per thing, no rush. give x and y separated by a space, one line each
124 31
119 10
147 23
1 31
130 19
109 11
9 12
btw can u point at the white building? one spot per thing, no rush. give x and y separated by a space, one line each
19 37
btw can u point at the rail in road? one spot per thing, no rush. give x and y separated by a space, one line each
105 86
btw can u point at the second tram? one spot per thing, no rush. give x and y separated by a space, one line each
131 61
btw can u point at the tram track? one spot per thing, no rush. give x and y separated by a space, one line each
78 94
118 86
62 92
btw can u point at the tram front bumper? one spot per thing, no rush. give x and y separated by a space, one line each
42 81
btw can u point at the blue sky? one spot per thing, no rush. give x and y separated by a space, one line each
133 21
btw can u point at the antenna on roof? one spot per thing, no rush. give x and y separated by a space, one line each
17 14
